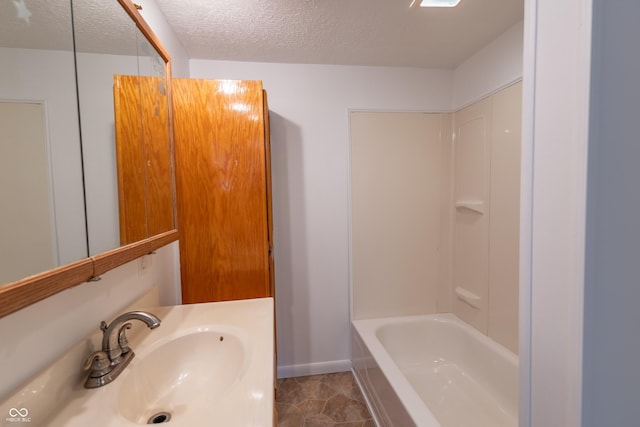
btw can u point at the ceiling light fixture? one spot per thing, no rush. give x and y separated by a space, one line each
439 3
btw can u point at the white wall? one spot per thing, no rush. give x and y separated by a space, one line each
554 153
309 151
495 66
612 289
580 275
95 91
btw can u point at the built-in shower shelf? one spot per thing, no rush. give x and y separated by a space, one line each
467 296
471 205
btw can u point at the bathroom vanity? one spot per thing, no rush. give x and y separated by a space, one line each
206 364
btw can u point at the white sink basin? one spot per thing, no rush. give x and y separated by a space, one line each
206 364
175 376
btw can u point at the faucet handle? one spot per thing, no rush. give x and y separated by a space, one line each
98 362
123 342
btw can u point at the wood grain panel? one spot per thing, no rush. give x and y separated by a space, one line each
221 189
130 159
22 293
145 192
157 156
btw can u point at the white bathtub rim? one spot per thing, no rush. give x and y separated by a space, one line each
371 326
413 403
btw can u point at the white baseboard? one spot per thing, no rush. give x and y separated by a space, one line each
314 368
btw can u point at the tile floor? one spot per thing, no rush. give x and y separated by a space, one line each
330 400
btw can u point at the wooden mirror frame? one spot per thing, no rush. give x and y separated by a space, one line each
22 293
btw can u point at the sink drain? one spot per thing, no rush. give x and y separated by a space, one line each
159 418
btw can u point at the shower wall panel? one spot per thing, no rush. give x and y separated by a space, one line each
396 213
435 214
486 220
472 153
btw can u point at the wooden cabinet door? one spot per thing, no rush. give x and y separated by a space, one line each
129 159
222 189
145 196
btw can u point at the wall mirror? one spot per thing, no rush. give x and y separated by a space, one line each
43 222
65 171
124 122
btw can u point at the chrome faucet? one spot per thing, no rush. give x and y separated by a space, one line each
105 365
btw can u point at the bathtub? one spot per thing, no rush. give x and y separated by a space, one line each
434 371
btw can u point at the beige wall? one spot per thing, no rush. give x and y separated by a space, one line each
471 173
486 224
27 244
396 212
434 224
504 223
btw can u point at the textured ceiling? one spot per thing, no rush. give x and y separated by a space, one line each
100 26
40 25
349 32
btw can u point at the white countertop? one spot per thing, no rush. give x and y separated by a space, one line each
57 396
